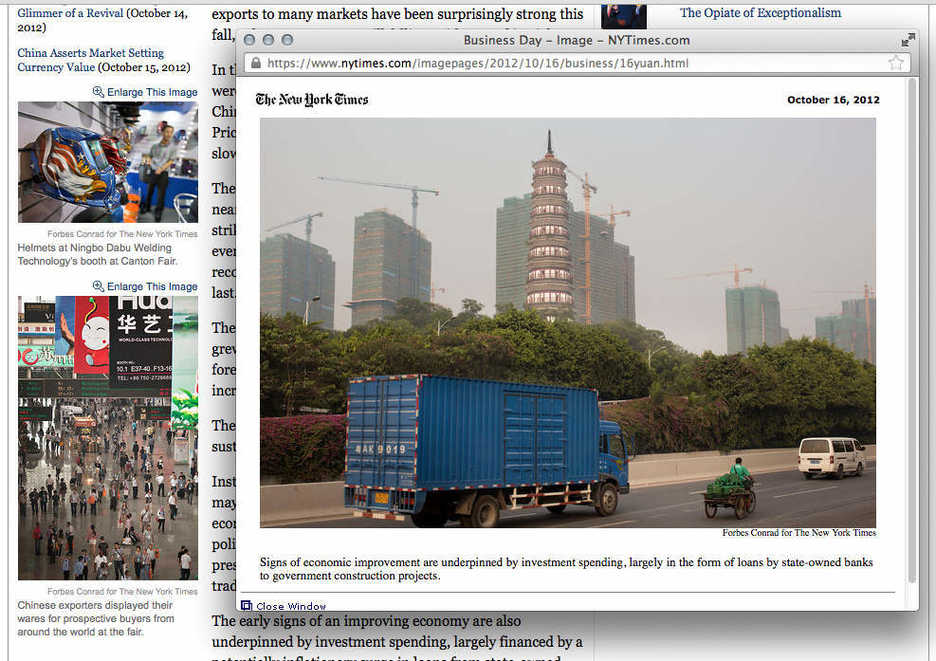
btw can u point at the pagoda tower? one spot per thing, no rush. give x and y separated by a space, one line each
549 263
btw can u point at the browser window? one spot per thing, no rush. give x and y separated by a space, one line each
583 317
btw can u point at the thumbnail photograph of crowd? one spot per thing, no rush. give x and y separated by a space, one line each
107 438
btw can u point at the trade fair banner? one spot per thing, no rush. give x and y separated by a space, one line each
33 355
181 447
64 325
141 342
92 335
34 329
35 413
43 313
146 412
84 388
185 363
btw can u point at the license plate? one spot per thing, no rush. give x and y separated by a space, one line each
382 498
815 461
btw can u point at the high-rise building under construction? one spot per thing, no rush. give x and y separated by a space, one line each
297 277
612 263
622 269
392 260
854 330
612 271
513 235
753 318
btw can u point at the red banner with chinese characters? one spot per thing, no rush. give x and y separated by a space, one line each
92 334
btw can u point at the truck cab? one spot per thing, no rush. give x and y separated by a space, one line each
612 456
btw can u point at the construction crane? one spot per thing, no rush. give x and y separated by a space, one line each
432 293
735 271
612 213
306 317
308 221
868 293
587 190
416 190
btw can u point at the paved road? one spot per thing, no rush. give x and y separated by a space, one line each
784 500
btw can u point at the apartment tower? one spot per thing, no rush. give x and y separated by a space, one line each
392 260
297 277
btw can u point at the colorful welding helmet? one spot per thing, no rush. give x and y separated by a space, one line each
114 157
124 141
69 164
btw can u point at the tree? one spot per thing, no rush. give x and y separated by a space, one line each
421 314
388 347
670 364
471 308
567 353
771 397
297 367
474 355
777 395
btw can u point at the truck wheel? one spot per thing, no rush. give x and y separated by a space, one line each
607 500
485 513
859 470
807 476
429 519
839 472
556 509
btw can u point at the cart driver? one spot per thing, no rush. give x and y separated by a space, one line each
742 472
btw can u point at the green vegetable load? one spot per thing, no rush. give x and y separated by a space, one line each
725 485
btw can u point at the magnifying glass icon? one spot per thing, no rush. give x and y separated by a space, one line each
97 91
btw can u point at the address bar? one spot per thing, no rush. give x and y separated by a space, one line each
434 63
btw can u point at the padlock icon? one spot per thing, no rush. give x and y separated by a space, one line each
255 63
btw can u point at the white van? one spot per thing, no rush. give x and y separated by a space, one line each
831 456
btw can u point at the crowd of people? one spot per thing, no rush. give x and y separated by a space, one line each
117 474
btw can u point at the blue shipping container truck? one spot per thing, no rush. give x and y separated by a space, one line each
440 448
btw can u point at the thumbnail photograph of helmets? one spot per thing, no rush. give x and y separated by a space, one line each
97 162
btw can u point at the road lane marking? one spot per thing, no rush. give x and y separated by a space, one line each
324 519
615 523
756 489
604 525
796 493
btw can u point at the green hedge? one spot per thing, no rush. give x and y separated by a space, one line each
305 448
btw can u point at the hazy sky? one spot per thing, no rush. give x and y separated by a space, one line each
793 199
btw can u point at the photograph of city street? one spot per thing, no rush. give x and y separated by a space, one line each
649 323
108 437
